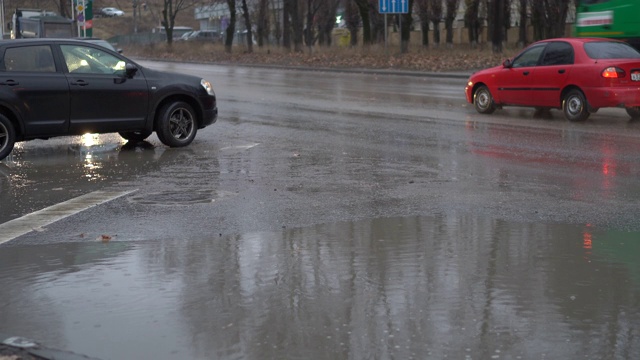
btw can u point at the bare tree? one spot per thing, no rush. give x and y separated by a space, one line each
522 32
435 15
297 25
262 23
405 29
450 16
313 6
231 28
497 25
327 20
377 22
364 8
286 23
506 20
352 20
170 9
423 13
549 18
277 24
472 21
247 25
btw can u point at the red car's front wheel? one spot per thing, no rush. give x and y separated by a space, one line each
483 101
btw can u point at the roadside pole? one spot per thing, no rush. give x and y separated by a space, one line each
392 7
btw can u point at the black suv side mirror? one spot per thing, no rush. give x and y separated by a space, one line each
130 70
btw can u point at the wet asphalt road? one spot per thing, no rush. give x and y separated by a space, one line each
329 216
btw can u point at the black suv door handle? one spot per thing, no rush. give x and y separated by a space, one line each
79 83
10 83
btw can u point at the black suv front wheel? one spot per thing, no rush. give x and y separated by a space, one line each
176 125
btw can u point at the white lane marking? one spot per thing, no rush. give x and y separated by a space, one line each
36 220
241 147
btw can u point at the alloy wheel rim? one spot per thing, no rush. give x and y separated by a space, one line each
181 124
4 137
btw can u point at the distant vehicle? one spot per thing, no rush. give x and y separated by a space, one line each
100 42
178 31
185 36
61 87
577 75
615 19
111 11
37 23
203 35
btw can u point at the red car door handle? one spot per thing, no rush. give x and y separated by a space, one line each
561 71
525 73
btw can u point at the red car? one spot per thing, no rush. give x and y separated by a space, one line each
577 75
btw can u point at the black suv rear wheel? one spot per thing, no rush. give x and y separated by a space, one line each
7 137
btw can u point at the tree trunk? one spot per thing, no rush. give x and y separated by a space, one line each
522 32
436 31
247 24
286 24
297 26
231 28
262 30
423 13
472 22
497 25
405 30
363 8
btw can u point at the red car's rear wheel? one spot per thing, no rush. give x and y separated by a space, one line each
634 112
574 106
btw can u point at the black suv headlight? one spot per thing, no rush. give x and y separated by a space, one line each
207 86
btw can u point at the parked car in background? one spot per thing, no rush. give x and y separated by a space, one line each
59 87
577 75
204 35
185 36
111 11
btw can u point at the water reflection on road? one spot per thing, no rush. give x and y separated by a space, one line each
456 286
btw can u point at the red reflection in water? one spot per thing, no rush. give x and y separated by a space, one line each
587 243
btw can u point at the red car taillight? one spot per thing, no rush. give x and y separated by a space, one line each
613 72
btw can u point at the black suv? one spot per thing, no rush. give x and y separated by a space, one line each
56 87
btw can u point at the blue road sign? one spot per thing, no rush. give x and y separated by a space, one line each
393 6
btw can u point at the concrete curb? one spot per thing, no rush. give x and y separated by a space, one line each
396 72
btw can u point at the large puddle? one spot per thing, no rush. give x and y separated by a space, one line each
450 286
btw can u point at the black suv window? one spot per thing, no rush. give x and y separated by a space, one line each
89 60
35 58
558 53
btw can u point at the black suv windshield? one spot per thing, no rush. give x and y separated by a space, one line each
610 50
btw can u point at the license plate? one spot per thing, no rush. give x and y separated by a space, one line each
635 76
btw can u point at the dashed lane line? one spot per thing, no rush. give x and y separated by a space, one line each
30 222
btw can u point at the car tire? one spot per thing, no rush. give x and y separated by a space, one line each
7 137
634 112
176 125
135 136
574 106
483 100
